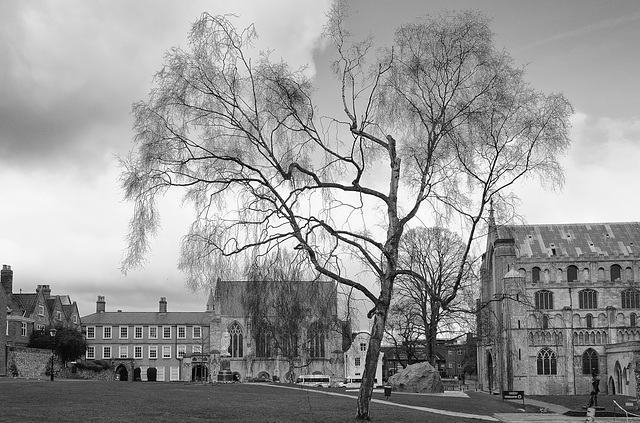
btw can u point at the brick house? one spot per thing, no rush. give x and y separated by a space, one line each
4 330
559 302
27 312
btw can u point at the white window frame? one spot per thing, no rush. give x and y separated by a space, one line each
164 332
166 351
153 352
363 346
197 332
124 332
137 351
23 329
174 373
106 348
123 351
104 332
196 349
59 315
136 330
181 351
91 352
153 332
74 318
357 362
160 374
182 332
93 332
40 310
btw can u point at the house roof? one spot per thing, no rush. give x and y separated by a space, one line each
25 301
574 240
148 318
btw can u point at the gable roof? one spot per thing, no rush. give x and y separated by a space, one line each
26 302
574 240
147 318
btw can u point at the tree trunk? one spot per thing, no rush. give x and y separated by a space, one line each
371 363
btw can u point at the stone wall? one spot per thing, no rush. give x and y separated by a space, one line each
29 362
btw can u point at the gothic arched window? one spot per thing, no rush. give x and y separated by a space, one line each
235 345
316 338
547 362
588 298
544 300
535 275
590 362
630 298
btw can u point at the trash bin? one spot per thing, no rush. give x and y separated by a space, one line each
387 391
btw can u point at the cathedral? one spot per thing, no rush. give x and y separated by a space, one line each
558 304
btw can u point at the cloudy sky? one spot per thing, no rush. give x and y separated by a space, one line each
70 70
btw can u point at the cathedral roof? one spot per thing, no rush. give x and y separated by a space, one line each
574 240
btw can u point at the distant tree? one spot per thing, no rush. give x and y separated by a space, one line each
429 300
439 124
69 344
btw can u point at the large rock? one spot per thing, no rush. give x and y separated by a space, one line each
419 377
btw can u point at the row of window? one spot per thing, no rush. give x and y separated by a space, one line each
587 299
547 362
616 274
153 351
288 346
152 332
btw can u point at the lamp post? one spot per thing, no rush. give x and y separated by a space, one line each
52 333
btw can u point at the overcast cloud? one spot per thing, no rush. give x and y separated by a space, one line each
70 70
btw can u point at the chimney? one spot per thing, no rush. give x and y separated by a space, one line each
45 290
100 304
6 277
163 304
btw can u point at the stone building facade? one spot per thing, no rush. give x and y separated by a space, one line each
4 329
559 302
163 341
187 346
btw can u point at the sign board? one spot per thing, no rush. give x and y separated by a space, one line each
513 395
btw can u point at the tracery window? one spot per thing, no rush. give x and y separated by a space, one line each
235 345
630 298
590 362
588 298
547 362
316 339
263 344
544 300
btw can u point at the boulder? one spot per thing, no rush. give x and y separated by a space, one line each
419 378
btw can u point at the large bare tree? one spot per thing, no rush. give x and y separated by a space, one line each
431 300
441 122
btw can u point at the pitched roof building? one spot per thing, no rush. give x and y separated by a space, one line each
38 310
558 303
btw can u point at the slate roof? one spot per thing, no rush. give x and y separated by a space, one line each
147 318
26 301
574 240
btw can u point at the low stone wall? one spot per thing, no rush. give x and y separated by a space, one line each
29 362
106 375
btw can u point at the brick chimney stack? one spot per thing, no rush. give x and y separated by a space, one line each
163 304
45 290
6 278
100 304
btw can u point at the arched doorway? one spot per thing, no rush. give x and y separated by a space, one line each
199 373
489 372
612 386
122 374
617 375
264 376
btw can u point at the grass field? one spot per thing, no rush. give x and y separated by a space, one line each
93 401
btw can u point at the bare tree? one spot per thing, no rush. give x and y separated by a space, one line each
291 315
430 295
439 123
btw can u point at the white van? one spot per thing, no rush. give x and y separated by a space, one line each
354 383
316 381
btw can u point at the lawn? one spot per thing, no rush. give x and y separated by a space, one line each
95 401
